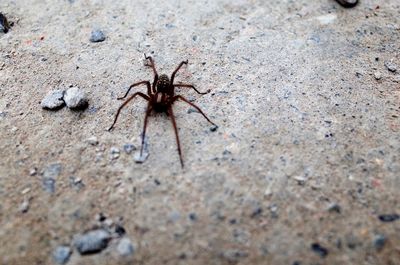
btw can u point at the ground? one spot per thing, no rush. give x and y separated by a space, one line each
303 169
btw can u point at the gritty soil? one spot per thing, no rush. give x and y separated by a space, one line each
303 168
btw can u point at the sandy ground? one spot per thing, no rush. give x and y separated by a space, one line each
303 169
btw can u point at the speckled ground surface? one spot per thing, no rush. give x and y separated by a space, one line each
304 168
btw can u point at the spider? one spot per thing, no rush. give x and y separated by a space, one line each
160 97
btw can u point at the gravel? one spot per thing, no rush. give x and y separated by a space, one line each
75 98
114 152
49 177
93 140
387 218
125 247
320 250
378 75
4 25
379 242
128 148
91 242
61 254
391 66
53 100
97 36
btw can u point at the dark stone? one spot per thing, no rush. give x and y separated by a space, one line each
320 250
389 217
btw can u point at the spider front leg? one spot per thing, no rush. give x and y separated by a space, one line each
191 86
153 66
136 84
194 106
177 69
125 103
171 113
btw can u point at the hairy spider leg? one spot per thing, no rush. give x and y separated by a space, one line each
125 103
136 84
177 69
171 113
149 109
191 86
193 105
153 66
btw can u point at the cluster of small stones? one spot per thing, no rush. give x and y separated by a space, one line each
74 97
96 240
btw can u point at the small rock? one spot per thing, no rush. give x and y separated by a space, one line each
93 140
379 242
320 250
125 247
392 67
389 217
49 177
334 207
213 128
61 254
97 36
141 158
53 100
128 148
91 242
4 25
52 171
234 255
114 152
33 171
378 75
75 98
24 207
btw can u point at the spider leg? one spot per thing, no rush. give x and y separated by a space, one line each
136 84
177 69
153 66
171 113
194 106
191 86
124 104
149 109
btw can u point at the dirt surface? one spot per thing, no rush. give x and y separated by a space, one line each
303 169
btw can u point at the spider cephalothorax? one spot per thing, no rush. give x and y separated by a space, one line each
160 97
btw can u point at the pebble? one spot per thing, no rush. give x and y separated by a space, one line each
213 128
97 36
379 242
75 98
93 140
389 217
49 177
91 242
61 254
24 207
334 207
33 171
4 25
392 67
128 148
53 100
125 247
141 158
320 250
378 75
114 152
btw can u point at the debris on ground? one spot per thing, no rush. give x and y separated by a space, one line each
53 100
75 98
97 36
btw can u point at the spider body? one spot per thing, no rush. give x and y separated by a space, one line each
160 97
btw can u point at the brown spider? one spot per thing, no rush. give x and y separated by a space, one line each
160 97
